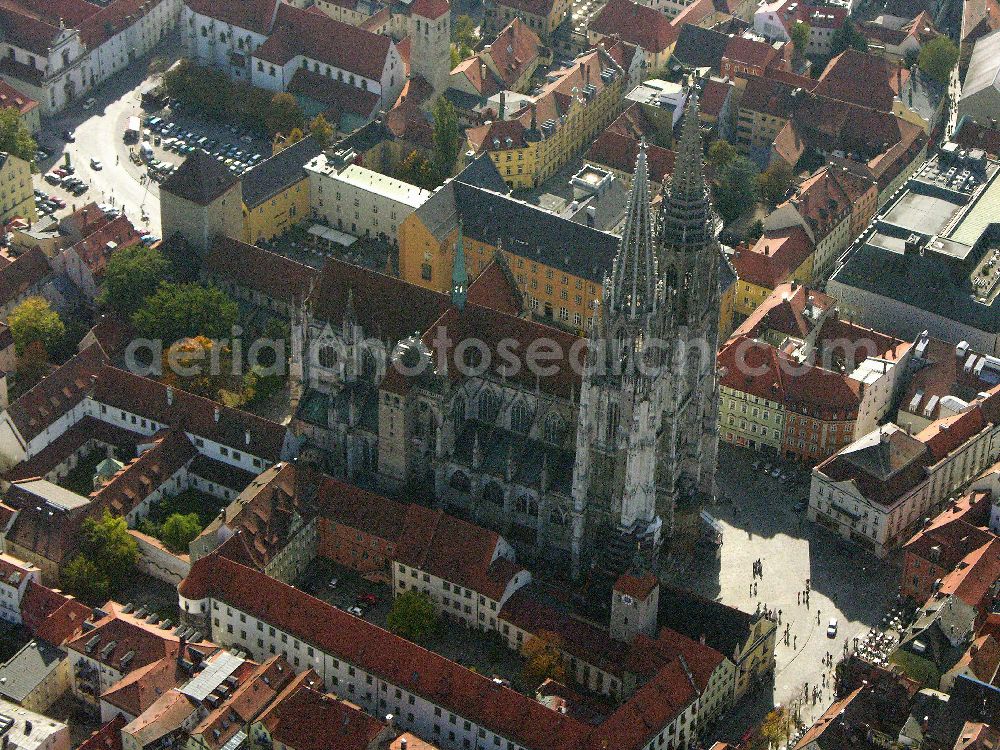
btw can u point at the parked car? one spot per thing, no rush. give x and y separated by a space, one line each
52 178
776 472
831 629
333 582
69 136
369 600
89 103
150 240
96 165
356 611
800 506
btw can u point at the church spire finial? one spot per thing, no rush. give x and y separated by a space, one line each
459 276
633 282
685 213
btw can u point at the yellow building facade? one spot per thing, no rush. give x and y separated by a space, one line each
568 114
17 196
277 214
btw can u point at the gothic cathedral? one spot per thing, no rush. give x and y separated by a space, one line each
647 439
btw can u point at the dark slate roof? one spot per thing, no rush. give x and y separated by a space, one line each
278 173
489 216
725 629
200 179
700 48
482 173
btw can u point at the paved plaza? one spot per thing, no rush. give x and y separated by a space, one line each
846 583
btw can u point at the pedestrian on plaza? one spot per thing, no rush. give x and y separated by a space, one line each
817 617
779 616
751 590
755 589
798 597
795 641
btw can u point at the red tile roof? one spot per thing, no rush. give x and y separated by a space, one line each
95 250
56 394
619 151
76 437
51 615
784 311
252 15
337 96
864 79
430 8
11 97
307 719
974 578
774 257
194 414
27 271
637 587
390 657
454 550
636 24
749 52
319 37
514 51
275 276
108 737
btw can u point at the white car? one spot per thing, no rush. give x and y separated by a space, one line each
89 103
96 165
333 582
831 629
356 611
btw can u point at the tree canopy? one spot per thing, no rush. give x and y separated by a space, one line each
322 130
14 136
775 181
543 658
35 320
131 275
179 530
735 188
284 114
800 36
447 137
847 37
937 58
413 617
107 555
177 311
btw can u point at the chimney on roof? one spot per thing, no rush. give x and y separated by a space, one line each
170 395
402 743
216 414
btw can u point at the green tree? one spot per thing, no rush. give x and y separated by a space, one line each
721 153
322 130
774 181
464 31
847 37
177 311
543 658
106 543
179 530
284 114
416 170
447 137
82 578
131 275
35 320
774 730
937 59
800 37
413 617
736 188
14 136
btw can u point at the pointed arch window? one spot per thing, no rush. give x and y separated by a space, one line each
613 414
521 416
489 406
554 429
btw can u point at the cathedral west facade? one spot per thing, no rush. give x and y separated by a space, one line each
595 459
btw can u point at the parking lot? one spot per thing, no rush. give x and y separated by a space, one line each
169 136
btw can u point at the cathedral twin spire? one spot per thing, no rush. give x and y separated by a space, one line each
633 276
684 218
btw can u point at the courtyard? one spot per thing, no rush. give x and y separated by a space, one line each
759 522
